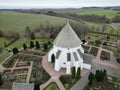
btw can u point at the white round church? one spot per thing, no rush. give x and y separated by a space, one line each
68 51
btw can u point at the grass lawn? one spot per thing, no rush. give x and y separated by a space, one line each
108 13
19 21
3 57
52 86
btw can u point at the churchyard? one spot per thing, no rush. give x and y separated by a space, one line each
26 66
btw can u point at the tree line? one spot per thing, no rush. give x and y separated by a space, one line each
50 31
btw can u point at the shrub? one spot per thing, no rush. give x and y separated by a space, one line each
97 42
78 73
49 43
37 44
90 78
15 50
118 60
45 46
31 44
1 81
104 43
73 72
67 86
24 46
32 36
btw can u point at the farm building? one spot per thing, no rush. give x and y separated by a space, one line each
68 51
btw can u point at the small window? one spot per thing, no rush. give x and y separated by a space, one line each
64 63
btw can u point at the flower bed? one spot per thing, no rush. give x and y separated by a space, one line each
20 71
39 75
20 78
93 51
68 81
52 86
105 55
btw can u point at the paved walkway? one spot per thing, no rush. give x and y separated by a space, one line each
49 67
29 72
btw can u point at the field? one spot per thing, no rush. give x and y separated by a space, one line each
108 13
19 21
104 28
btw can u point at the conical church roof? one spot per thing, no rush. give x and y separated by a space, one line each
67 38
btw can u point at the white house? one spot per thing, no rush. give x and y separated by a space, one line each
68 51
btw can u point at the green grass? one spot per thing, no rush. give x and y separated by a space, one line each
2 40
51 85
3 57
19 21
108 13
99 27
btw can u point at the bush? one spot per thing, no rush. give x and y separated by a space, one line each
15 50
104 43
118 60
78 73
31 44
24 46
37 45
73 72
49 43
32 36
45 46
67 86
1 81
97 42
90 78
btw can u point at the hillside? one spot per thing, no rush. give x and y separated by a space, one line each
19 21
108 13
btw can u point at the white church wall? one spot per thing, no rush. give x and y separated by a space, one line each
68 70
62 60
87 66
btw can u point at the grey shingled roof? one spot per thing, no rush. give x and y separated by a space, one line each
22 86
67 38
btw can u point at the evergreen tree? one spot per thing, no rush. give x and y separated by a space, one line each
45 46
53 58
73 72
24 46
15 50
91 78
78 73
37 45
97 75
1 81
31 44
32 36
49 43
